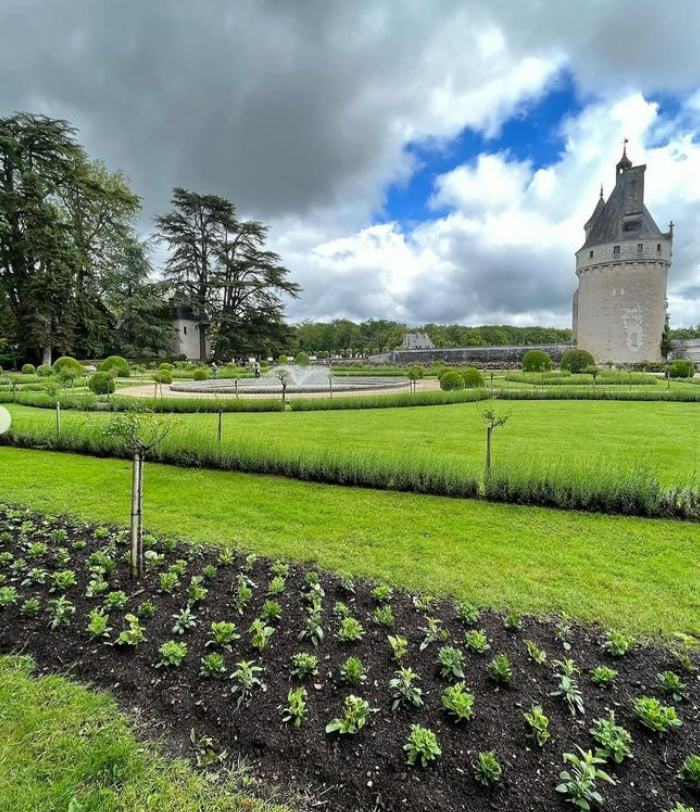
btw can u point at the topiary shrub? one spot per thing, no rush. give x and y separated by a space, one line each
415 372
166 376
201 374
43 370
443 371
577 360
282 360
303 359
536 361
116 365
681 368
451 381
68 366
28 369
101 383
473 379
165 366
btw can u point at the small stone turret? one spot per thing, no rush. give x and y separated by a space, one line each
622 268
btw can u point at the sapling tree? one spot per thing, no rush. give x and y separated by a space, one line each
283 376
137 434
493 420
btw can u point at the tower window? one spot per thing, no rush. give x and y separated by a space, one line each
616 249
590 255
658 246
640 247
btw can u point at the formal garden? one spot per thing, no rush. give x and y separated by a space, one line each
478 590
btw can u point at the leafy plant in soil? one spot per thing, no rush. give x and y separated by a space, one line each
222 634
680 808
172 654
512 622
276 586
350 630
98 627
133 635
185 621
421 746
433 632
169 581
655 716
683 647
226 558
279 569
672 685
569 691
246 680
538 725
355 713
212 666
205 752
618 644
613 740
116 600
384 616
146 610
458 702
341 610
404 691
536 654
382 594
580 783
690 772
296 709
399 646
260 635
304 665
209 572
60 610
451 663
195 591
603 676
353 672
477 641
8 596
312 629
31 607
466 612
563 632
500 669
487 770
62 581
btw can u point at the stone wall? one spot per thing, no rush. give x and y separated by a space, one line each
477 356
621 311
687 348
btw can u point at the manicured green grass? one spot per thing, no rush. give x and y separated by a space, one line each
637 574
65 748
660 436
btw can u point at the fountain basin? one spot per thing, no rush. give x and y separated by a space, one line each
270 385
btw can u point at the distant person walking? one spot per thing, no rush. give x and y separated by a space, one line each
256 369
214 369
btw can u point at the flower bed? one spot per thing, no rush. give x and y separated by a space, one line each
477 713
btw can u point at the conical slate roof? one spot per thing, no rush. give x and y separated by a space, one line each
623 216
600 205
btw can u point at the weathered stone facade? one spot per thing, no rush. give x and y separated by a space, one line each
619 309
478 356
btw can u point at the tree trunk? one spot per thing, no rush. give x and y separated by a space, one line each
136 557
202 344
488 450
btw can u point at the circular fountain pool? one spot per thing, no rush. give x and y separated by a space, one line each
299 381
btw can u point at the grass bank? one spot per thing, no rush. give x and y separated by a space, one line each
627 572
64 748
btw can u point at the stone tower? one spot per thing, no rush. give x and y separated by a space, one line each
622 268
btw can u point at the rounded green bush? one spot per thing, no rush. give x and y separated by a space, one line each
201 374
28 369
283 360
536 361
451 381
68 366
165 376
302 359
415 372
165 366
101 383
43 370
473 378
443 370
577 360
681 368
116 365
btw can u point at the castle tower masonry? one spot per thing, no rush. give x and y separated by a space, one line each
619 309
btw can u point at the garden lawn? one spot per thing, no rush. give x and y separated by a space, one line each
660 436
64 748
637 574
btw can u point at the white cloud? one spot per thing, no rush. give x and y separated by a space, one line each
505 250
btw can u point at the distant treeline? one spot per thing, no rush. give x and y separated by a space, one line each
374 336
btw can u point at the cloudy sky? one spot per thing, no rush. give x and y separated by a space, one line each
423 160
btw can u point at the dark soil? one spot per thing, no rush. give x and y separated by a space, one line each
366 771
